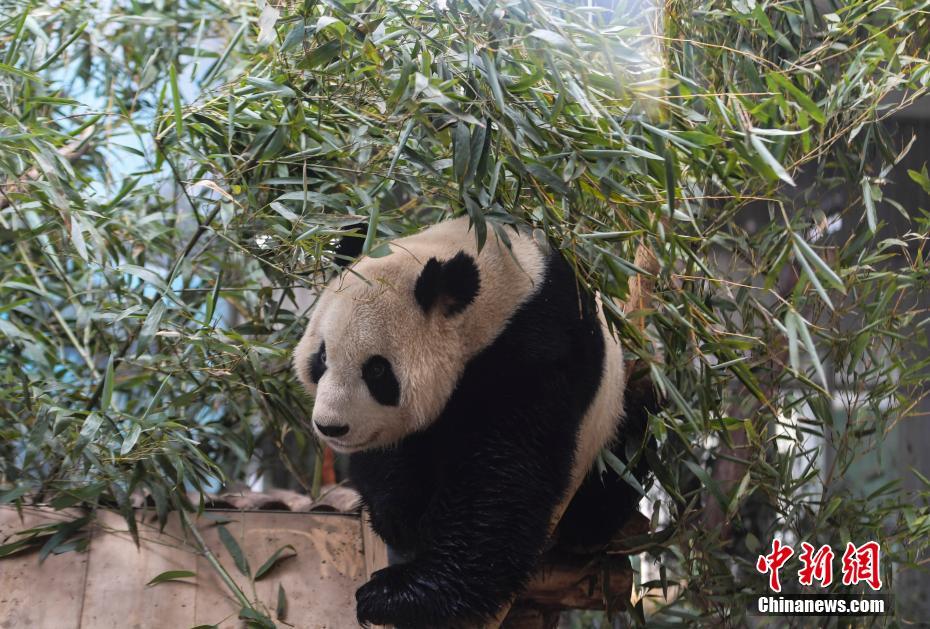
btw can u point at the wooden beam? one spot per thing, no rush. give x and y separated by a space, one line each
598 579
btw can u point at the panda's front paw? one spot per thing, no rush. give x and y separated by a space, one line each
397 596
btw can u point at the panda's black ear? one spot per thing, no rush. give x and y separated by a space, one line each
350 245
451 285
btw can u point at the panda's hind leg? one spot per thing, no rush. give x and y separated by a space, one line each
605 501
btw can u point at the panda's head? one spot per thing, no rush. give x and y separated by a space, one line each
384 347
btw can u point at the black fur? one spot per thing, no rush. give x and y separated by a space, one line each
428 285
470 498
350 246
382 383
453 284
318 364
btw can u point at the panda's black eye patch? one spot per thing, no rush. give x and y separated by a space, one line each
318 364
382 383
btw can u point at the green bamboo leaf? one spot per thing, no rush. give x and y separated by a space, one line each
869 204
235 551
176 100
146 275
64 46
549 178
550 37
328 21
828 273
91 426
744 375
812 351
227 51
461 147
15 493
635 150
19 546
171 575
762 19
266 23
809 272
272 561
710 484
281 607
740 491
805 101
151 324
770 160
401 144
493 80
64 532
920 178
791 327
214 299
260 620
106 398
77 236
668 388
622 470
130 441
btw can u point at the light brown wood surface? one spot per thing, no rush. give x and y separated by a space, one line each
106 586
50 594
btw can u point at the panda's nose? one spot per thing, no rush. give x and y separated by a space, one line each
332 430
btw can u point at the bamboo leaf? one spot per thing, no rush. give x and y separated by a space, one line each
550 37
812 352
272 561
769 159
828 273
869 204
256 617
281 608
176 100
152 323
171 575
235 551
77 236
493 80
106 398
791 325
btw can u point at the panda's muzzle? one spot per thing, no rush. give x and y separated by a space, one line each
332 430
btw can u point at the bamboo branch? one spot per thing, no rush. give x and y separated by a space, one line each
217 566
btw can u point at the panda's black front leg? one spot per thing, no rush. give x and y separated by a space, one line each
487 529
394 489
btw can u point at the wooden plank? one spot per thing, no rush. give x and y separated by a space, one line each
37 595
116 594
321 587
320 582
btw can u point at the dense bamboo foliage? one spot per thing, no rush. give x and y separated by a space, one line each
174 173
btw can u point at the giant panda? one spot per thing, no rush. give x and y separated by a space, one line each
472 391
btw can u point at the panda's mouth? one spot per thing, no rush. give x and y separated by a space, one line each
344 445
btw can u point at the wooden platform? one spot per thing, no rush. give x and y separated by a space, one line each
335 554
106 586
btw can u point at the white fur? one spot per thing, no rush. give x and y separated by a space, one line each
601 421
